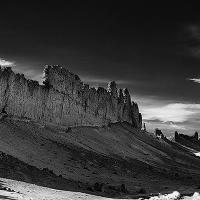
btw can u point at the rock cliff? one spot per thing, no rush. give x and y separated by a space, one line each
64 99
193 138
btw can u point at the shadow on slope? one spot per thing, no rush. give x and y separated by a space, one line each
15 169
113 161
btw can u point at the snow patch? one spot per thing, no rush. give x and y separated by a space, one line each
197 154
173 196
196 196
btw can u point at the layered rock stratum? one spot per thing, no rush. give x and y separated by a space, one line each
65 100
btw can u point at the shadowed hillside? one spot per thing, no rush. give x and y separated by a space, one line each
114 160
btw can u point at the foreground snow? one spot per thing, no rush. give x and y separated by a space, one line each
175 196
197 154
17 190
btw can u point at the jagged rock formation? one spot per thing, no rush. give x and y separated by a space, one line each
193 138
186 140
159 133
65 100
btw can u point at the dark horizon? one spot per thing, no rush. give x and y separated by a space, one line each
153 50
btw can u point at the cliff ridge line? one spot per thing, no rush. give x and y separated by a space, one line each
64 99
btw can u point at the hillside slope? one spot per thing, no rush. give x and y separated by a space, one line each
108 156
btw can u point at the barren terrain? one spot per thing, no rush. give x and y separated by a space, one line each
111 161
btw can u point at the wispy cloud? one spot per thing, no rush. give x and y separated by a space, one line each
175 126
193 40
168 128
175 112
169 116
93 80
196 80
32 74
194 31
6 63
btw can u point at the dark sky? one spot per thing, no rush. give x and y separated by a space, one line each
153 49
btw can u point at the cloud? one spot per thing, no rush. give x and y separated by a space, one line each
182 117
6 63
168 128
32 74
193 40
167 115
194 31
175 112
196 80
175 126
102 80
37 74
165 125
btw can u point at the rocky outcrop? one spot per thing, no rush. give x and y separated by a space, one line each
192 142
64 99
192 138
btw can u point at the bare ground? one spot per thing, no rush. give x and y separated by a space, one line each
116 161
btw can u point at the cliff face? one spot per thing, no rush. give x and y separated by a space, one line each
65 100
193 138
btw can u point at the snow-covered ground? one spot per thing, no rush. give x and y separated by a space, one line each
176 196
197 154
17 190
28 191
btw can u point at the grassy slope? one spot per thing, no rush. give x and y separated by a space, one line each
110 155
